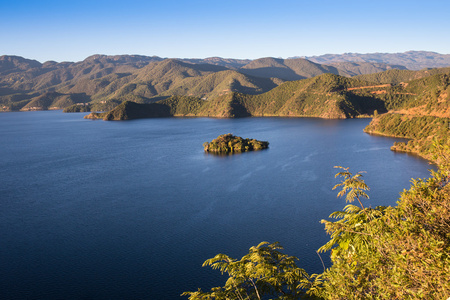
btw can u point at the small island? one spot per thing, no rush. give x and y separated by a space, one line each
228 144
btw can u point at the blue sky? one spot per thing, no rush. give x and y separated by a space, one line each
72 30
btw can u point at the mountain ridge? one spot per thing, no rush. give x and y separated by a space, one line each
106 81
413 60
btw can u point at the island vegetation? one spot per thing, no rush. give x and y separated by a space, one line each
229 144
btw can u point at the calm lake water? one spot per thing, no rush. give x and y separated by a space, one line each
130 210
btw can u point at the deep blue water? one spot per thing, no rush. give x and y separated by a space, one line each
130 210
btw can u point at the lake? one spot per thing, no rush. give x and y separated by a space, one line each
131 209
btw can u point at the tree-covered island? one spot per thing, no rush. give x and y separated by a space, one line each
228 143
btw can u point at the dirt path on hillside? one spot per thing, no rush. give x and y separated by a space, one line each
369 87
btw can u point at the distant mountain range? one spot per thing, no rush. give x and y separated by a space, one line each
103 81
412 60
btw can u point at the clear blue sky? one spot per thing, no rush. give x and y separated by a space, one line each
72 30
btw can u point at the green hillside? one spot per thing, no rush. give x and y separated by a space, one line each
105 81
182 105
420 112
325 96
171 77
220 83
22 80
420 131
172 106
54 100
396 76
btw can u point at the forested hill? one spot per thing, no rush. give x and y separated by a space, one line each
325 96
102 82
397 76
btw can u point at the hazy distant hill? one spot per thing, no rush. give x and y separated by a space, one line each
286 69
299 68
413 60
351 69
11 64
230 63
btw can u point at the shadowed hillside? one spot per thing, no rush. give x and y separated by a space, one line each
286 69
351 69
324 96
108 80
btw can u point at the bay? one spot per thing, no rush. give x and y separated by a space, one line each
130 210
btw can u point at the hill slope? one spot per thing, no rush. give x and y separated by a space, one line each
325 96
397 76
105 81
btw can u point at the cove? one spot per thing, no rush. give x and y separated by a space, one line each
130 210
